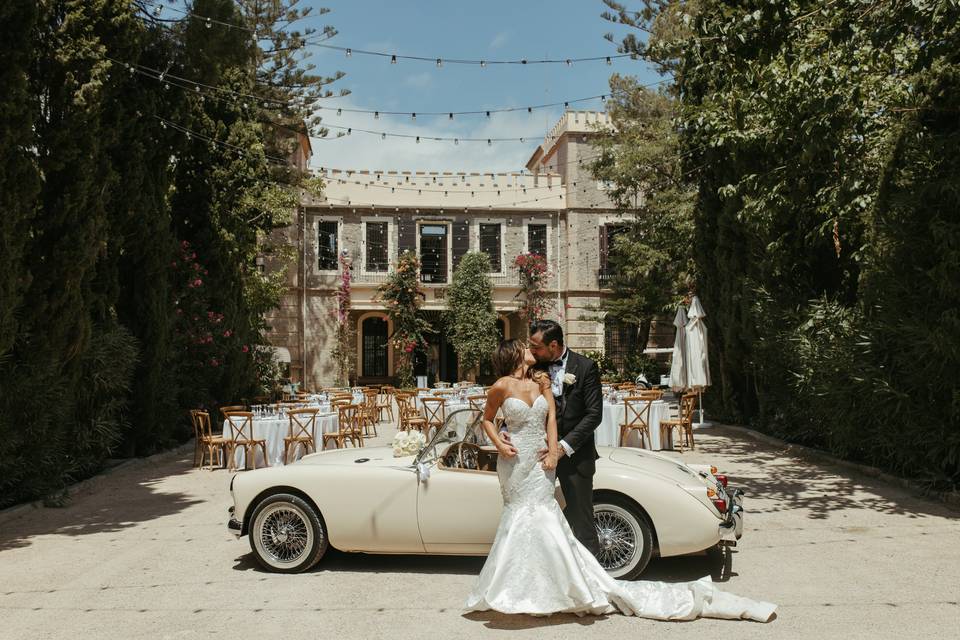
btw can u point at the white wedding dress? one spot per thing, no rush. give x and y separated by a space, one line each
537 566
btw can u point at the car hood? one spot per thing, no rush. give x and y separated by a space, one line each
653 463
373 456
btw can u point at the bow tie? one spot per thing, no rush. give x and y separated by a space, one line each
557 363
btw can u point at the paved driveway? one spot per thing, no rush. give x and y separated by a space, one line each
144 553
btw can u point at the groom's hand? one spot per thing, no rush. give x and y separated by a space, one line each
542 453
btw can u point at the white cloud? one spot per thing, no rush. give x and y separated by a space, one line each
499 40
419 80
367 151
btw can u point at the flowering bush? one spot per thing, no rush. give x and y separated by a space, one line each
200 330
534 301
343 352
408 443
402 295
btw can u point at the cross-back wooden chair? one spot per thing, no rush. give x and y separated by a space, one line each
385 402
368 411
348 427
683 423
300 432
231 407
650 394
435 413
208 442
410 417
636 417
241 435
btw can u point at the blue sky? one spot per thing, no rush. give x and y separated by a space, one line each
490 29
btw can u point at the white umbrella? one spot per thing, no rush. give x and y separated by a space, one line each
678 367
698 365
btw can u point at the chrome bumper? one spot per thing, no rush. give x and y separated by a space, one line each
731 529
234 526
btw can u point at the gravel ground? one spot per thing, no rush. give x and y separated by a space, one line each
143 552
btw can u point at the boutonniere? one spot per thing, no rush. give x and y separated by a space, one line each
569 378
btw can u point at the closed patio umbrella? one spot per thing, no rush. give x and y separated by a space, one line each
678 366
698 365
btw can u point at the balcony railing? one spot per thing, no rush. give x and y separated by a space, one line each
379 277
605 277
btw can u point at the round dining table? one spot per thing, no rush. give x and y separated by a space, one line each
274 429
608 433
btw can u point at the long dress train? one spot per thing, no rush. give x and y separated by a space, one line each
537 566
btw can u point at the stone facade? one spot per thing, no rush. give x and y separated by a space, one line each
557 193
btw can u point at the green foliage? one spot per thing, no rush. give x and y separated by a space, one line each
98 197
470 319
819 138
403 296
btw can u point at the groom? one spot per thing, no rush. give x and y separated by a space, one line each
575 380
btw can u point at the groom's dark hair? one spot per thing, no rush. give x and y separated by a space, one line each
549 329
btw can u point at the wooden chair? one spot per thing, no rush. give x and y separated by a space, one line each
626 386
683 423
368 411
650 394
636 417
410 417
348 427
232 407
303 424
208 442
435 413
241 435
385 402
443 393
421 389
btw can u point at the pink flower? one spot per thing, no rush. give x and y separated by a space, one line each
193 256
245 349
197 282
205 272
214 362
196 267
227 333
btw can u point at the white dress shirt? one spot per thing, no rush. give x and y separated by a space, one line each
557 372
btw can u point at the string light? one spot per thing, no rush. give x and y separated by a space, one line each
392 56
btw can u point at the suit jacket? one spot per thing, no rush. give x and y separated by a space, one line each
579 412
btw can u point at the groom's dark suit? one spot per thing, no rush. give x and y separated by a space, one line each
579 412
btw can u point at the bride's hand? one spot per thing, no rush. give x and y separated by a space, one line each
549 461
506 449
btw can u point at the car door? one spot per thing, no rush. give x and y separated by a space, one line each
459 510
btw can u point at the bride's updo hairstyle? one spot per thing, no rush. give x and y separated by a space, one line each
507 358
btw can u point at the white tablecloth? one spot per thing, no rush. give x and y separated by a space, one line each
608 433
274 430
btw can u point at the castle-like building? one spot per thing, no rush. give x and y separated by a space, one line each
554 208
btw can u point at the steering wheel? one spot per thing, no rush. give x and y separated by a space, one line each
467 455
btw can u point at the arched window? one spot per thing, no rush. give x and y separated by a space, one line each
374 331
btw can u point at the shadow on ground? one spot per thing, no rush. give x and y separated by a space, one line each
787 482
116 501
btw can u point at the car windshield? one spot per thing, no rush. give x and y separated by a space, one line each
462 425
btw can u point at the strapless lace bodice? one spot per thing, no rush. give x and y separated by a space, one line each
522 479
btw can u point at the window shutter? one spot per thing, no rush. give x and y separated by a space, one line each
603 249
407 234
461 240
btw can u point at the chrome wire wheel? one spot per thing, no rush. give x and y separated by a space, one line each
619 537
283 535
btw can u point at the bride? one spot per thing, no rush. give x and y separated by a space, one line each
536 565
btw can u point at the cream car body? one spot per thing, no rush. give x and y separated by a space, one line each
369 501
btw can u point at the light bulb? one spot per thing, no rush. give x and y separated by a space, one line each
569 62
393 59
483 64
439 62
376 115
608 60
349 53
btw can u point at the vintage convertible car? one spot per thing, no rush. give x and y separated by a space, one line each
446 500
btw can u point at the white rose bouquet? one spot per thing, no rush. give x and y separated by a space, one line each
408 443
